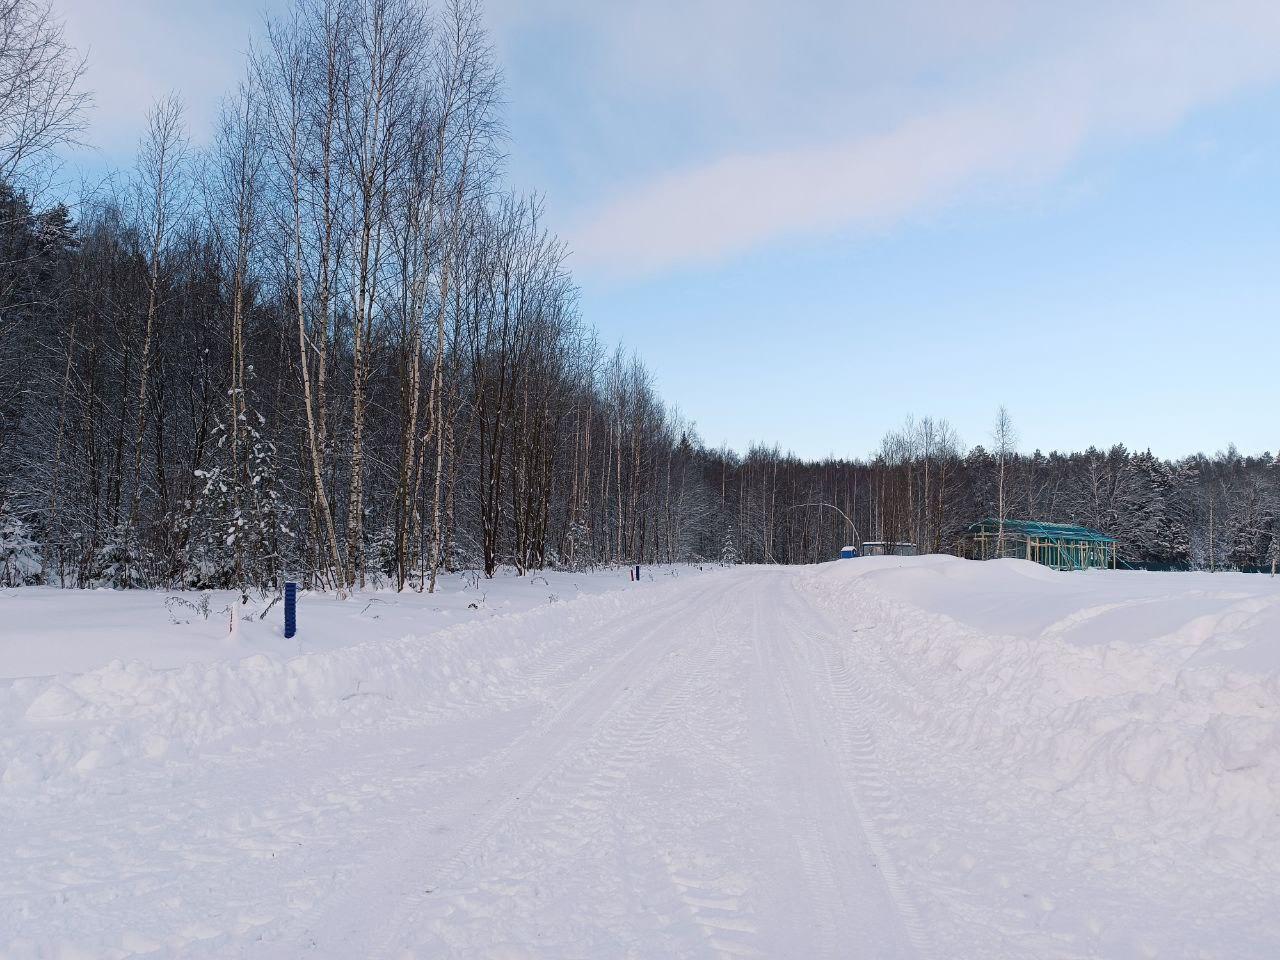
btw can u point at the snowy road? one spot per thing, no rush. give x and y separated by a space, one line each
692 780
691 789
750 763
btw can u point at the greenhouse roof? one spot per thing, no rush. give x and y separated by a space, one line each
1043 531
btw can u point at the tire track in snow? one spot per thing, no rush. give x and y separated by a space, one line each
578 807
712 903
812 843
855 756
851 695
561 805
603 698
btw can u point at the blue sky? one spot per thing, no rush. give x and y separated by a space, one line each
815 218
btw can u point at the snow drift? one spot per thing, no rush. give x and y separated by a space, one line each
1152 697
74 723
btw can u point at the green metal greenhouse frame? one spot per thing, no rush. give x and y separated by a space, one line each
1062 546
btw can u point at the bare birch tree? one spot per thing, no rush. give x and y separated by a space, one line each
1005 440
286 78
41 105
162 197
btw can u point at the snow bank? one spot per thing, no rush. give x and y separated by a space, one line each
48 631
72 724
1153 696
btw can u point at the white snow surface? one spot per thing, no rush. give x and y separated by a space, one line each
880 757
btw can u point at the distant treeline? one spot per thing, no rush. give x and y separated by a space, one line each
333 347
1200 512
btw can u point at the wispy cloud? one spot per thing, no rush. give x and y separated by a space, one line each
1111 76
140 50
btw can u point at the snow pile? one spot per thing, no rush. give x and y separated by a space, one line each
48 631
1152 698
74 723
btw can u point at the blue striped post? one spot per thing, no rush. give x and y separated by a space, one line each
290 609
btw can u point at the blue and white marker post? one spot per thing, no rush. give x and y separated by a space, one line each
290 609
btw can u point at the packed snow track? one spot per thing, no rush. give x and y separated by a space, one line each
728 764
679 796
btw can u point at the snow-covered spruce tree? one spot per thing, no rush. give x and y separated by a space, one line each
729 552
215 535
269 528
20 561
241 520
1140 512
117 562
578 554
1273 514
382 556
1174 537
